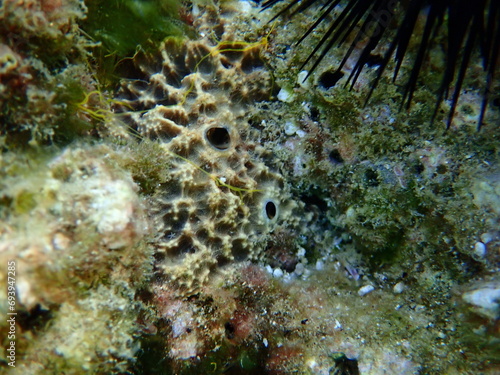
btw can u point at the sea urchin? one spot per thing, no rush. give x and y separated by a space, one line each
468 25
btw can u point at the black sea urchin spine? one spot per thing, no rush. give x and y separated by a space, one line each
469 24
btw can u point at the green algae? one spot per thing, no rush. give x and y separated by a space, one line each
401 176
121 28
25 202
123 25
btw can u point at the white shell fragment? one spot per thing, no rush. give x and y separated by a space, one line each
277 272
399 288
480 249
486 299
290 128
301 79
365 290
285 96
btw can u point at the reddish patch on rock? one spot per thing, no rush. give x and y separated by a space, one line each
49 6
254 276
240 326
281 360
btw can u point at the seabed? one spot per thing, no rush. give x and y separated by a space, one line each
176 197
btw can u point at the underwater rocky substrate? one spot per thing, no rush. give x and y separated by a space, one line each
208 211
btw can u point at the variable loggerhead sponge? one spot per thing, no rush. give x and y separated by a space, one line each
220 202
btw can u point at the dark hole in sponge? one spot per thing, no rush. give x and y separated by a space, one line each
329 79
271 210
496 102
239 250
219 137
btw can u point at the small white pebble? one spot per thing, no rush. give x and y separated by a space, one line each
480 249
399 287
350 213
299 269
319 265
278 272
306 274
195 11
244 6
337 325
285 96
269 269
24 292
301 133
222 179
265 342
287 277
486 298
365 290
301 77
312 364
419 308
301 252
290 128
60 241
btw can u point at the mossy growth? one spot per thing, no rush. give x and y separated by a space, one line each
395 208
123 25
46 111
56 52
241 359
341 109
479 336
399 185
148 164
69 91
